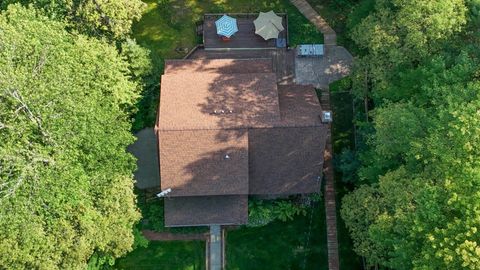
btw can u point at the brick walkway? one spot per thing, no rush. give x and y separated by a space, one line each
166 236
330 203
329 35
330 40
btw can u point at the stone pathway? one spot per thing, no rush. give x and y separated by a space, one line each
329 35
166 236
215 248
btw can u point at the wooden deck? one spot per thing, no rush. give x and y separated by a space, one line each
245 38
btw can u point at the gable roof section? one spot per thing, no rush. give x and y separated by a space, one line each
194 162
299 106
203 100
285 160
206 210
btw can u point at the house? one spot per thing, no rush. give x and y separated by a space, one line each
226 131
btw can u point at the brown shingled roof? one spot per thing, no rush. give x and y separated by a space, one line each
285 160
223 66
206 210
209 109
194 163
299 106
191 100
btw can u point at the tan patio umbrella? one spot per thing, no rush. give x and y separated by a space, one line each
268 25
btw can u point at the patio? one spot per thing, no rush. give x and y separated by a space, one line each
244 39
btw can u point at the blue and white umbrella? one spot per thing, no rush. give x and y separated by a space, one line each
226 26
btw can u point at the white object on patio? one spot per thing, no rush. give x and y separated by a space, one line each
310 50
268 25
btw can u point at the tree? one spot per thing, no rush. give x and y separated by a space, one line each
400 34
66 186
102 18
423 213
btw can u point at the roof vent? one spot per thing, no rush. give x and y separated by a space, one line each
327 117
227 156
222 111
164 193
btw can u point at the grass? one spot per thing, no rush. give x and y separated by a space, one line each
170 24
175 255
280 245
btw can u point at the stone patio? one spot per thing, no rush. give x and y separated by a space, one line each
321 71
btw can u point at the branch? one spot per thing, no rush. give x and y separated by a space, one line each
24 107
41 62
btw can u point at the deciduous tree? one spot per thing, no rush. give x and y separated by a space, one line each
66 187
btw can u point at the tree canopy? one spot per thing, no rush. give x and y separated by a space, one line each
418 205
401 33
101 18
66 187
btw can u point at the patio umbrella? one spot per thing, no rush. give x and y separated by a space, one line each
226 26
268 25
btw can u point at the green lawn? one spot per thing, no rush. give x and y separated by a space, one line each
280 245
175 255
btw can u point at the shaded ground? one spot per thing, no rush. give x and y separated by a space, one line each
166 256
168 236
343 138
145 150
280 245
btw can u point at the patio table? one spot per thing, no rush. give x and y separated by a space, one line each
312 50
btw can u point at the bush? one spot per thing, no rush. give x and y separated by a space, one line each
152 217
348 164
262 212
342 85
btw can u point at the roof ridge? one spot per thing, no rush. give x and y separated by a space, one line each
241 127
214 59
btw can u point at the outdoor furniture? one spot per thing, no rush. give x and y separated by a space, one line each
310 50
226 26
225 38
268 25
281 42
